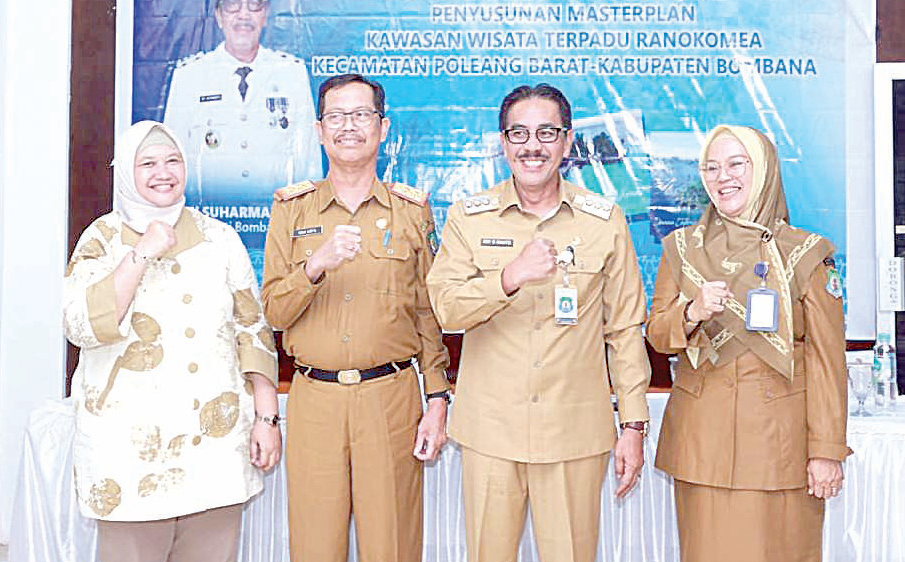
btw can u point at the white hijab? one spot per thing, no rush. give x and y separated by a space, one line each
136 211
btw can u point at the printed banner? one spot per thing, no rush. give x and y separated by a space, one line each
646 80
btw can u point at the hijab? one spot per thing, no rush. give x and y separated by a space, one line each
723 248
136 211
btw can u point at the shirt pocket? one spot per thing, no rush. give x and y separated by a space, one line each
689 380
490 263
775 386
393 273
585 275
304 246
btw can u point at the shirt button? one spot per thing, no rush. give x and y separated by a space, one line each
193 367
538 325
345 339
729 383
494 261
176 268
537 364
540 228
540 295
186 298
535 398
308 253
390 251
190 332
347 297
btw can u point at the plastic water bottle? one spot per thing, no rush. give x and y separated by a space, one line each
885 372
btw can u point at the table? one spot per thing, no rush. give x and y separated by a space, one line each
864 524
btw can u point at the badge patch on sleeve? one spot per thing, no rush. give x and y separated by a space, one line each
834 282
432 242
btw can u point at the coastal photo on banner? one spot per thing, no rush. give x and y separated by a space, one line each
646 80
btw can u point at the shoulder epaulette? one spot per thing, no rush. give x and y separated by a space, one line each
480 203
294 190
409 193
594 204
187 59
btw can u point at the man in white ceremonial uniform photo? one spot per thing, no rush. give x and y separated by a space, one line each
244 113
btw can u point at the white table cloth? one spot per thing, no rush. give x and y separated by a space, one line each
866 523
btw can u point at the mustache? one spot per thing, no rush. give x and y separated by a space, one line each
525 154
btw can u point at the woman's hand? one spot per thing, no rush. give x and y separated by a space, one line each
157 239
710 300
824 478
266 445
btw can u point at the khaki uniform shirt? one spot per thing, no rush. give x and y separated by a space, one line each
371 310
163 409
530 390
741 424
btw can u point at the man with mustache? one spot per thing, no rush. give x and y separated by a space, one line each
543 278
344 278
245 114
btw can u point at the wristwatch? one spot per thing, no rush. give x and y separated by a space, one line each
444 394
273 420
643 427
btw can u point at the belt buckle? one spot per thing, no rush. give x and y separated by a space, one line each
349 376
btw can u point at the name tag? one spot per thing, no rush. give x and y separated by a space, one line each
497 242
211 97
301 232
763 310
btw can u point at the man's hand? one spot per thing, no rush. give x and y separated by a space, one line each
431 430
536 262
824 478
343 245
629 458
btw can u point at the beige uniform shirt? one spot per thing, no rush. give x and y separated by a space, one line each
163 410
371 310
530 390
741 424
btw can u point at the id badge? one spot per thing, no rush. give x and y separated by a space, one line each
566 312
763 310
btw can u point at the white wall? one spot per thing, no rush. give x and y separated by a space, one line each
35 51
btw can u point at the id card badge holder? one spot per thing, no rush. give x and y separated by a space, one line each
763 304
566 297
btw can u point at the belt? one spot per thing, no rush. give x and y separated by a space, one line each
354 376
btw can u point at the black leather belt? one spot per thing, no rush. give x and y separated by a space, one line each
354 376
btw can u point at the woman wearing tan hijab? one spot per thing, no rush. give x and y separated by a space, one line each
175 396
754 431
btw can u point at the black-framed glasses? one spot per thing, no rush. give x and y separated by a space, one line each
735 168
233 6
360 117
544 135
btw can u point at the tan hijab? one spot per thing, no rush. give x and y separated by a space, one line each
719 248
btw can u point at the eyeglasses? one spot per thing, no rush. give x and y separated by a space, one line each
544 134
360 117
233 6
735 168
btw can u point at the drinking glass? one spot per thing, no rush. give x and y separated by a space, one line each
860 377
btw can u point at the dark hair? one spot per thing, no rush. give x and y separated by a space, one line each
543 91
343 79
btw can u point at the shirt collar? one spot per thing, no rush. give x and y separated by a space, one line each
509 197
326 194
187 235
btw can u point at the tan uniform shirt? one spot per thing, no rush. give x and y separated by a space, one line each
741 424
530 390
371 310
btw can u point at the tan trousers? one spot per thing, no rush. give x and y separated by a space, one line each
349 451
719 524
565 507
206 536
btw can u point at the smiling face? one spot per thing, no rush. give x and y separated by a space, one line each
726 156
535 165
351 142
160 175
242 30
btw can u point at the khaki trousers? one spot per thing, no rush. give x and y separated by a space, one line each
719 524
206 536
565 507
349 452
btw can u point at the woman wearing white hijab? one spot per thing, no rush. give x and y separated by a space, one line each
175 394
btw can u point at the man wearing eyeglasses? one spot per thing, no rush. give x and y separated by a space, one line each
344 278
245 115
543 278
